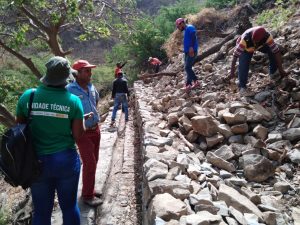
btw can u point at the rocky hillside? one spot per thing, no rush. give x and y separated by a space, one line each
215 157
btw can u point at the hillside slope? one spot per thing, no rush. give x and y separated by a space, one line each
215 156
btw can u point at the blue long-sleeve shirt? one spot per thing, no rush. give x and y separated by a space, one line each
190 38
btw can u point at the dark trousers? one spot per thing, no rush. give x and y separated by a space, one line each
156 68
244 63
188 67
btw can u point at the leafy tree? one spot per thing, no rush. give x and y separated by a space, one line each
148 35
26 24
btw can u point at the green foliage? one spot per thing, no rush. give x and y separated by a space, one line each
15 79
165 20
277 16
102 78
4 217
218 4
146 36
258 3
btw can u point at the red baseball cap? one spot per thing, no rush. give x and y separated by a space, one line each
258 34
79 64
179 21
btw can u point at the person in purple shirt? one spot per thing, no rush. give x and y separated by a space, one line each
190 49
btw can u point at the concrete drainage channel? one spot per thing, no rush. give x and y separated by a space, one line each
122 189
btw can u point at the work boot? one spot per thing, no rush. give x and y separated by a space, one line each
98 194
246 93
93 201
188 87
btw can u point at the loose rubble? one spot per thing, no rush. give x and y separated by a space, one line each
214 157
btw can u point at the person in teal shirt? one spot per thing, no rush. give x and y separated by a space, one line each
57 121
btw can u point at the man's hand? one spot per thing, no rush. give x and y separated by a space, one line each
231 75
191 52
88 115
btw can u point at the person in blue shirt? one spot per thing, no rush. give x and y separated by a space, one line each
89 142
190 49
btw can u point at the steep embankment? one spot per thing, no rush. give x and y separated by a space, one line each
214 157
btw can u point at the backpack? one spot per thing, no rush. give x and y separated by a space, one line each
18 158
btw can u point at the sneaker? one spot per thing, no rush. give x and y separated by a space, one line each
246 93
112 124
196 84
93 202
188 87
275 76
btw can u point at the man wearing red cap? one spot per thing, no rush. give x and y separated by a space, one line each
255 38
118 68
89 142
155 62
190 49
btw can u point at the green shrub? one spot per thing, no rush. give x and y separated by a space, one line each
277 16
165 20
258 3
4 217
218 4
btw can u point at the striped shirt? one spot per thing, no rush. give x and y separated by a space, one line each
245 43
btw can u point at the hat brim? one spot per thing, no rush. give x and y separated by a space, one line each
64 81
89 66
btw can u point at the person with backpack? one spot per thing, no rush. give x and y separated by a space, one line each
89 142
56 122
190 49
255 38
120 94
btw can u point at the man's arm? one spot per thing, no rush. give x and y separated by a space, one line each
123 64
20 119
193 40
232 69
278 60
77 128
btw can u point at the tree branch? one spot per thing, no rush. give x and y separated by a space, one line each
26 61
34 19
215 48
6 118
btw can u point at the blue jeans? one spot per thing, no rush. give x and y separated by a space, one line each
60 172
244 63
120 98
188 67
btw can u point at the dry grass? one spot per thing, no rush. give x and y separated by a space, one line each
207 19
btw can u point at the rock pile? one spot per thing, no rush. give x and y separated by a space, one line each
214 157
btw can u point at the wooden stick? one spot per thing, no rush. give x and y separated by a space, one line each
151 75
186 142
